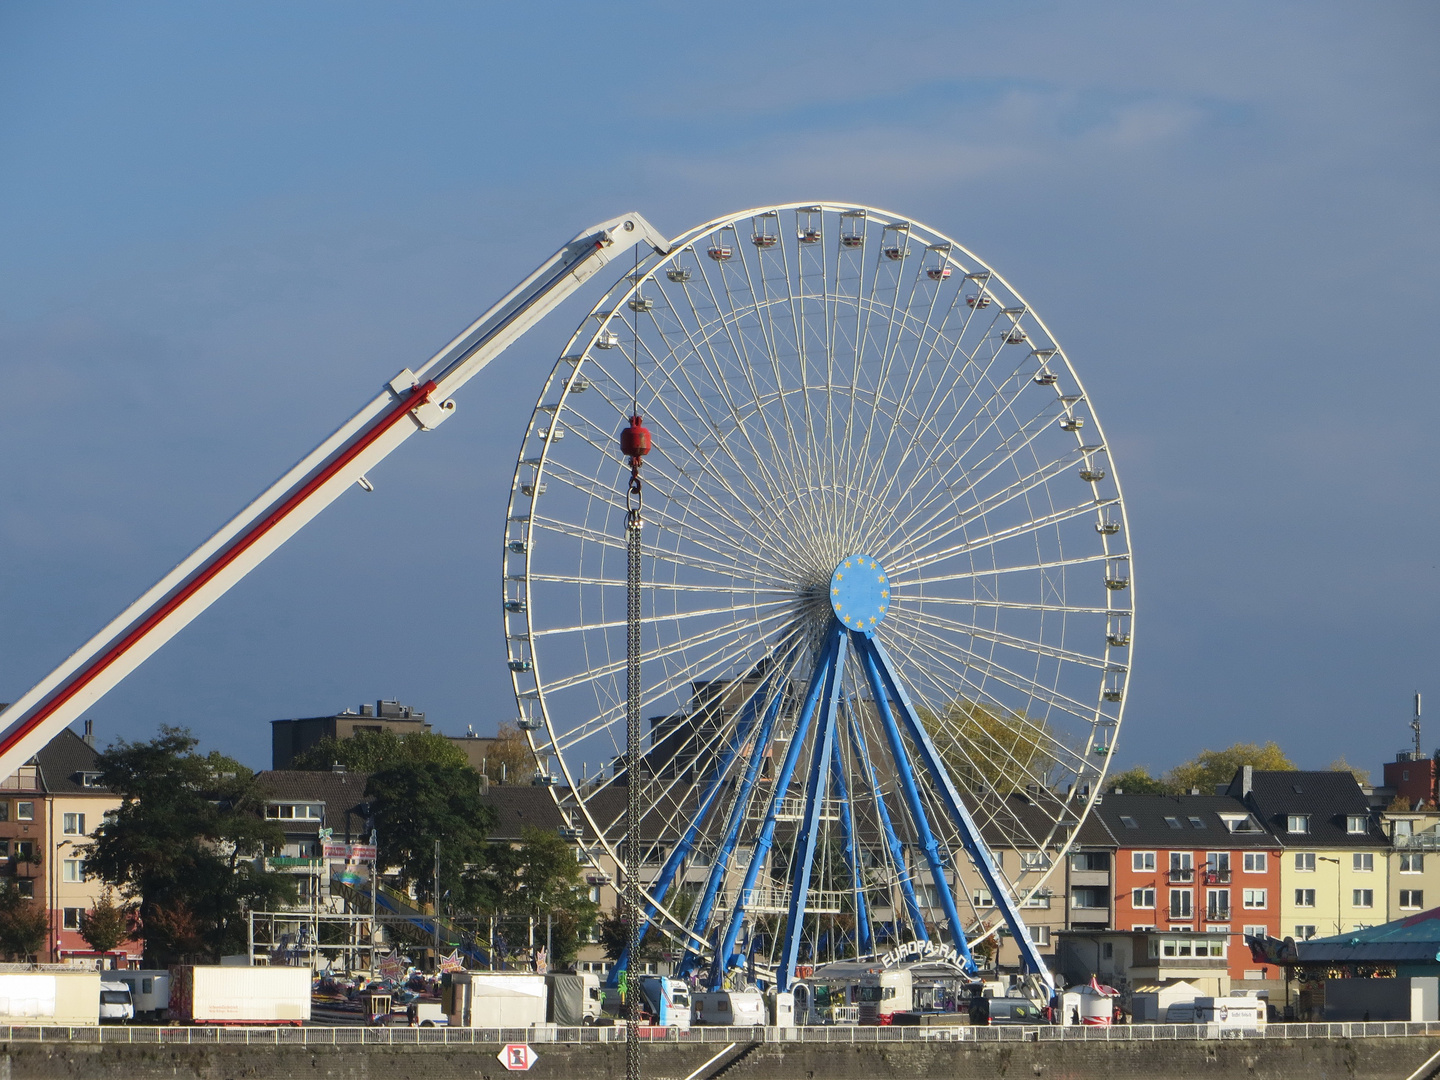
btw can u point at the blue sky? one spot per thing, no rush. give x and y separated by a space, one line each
222 227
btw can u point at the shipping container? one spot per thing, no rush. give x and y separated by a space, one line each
62 998
240 995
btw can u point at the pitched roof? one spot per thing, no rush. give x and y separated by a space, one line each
1326 796
1146 821
63 761
519 805
339 791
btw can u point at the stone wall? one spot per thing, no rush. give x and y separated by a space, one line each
1268 1059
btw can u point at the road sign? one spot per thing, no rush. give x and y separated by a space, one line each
517 1057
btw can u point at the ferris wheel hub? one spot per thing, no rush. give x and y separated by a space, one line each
859 592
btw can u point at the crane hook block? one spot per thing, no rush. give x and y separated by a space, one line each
635 440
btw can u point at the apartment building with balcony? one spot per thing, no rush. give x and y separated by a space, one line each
1334 856
1414 861
1195 864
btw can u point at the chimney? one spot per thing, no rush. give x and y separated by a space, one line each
1247 780
336 767
90 734
1194 791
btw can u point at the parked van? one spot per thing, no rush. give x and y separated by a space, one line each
115 1001
728 1008
1014 1010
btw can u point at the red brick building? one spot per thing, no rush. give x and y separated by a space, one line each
1195 863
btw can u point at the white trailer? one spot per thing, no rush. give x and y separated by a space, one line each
59 998
149 990
240 995
493 999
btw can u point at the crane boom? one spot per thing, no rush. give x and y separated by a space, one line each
410 402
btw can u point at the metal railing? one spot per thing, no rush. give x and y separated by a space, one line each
492 1037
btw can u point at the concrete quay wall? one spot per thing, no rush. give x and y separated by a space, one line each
1280 1059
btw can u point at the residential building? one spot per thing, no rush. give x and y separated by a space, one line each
304 804
1139 960
1414 877
1335 866
1191 863
289 738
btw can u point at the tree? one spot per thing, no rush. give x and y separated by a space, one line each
1210 768
1137 781
509 761
187 843
979 744
414 805
105 925
539 879
24 924
1362 776
371 751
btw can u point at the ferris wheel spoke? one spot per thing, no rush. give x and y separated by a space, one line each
670 617
1039 648
920 560
996 571
1018 605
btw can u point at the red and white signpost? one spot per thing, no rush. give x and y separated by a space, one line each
517 1057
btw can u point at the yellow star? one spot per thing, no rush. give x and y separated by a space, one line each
873 565
884 593
839 576
847 563
872 618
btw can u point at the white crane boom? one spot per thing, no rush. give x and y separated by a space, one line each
411 402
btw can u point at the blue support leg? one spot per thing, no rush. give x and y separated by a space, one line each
863 940
761 846
892 841
974 843
687 841
824 746
862 642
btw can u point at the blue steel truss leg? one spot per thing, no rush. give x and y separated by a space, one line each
761 846
897 852
852 859
938 870
700 919
800 870
687 841
970 836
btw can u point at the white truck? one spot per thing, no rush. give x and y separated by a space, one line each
149 991
116 1004
666 999
885 993
728 1008
240 995
60 998
1231 1013
493 999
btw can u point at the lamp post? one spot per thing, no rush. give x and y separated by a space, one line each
1338 892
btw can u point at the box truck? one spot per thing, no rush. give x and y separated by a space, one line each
493 999
61 998
240 995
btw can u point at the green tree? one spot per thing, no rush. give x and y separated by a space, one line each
537 879
105 925
414 805
1210 768
980 744
186 842
24 925
371 751
509 761
1137 781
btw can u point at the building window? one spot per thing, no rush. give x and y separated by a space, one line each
1304 897
1305 861
73 825
71 918
1089 898
1142 898
1090 861
73 870
1181 866
1412 863
1412 899
1357 824
1217 904
1362 897
1040 935
4 810
981 898
1403 827
1261 931
24 850
1196 823
1304 933
1362 862
1255 862
1142 860
24 811
1107 950
1034 860
1039 899
595 894
1180 903
1129 822
1174 823
26 889
1217 868
1297 823
1255 899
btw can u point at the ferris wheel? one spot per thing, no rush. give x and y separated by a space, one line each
887 599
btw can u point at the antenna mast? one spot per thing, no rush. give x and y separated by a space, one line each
1415 725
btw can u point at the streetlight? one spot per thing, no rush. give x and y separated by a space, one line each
1326 858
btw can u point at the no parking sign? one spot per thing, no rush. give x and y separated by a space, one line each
517 1057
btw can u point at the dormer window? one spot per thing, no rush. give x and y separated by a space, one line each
296 811
1297 823
1174 823
90 779
1357 824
